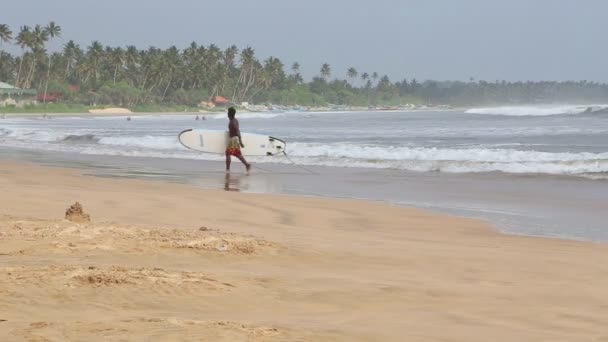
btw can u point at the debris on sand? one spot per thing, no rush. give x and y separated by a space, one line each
75 214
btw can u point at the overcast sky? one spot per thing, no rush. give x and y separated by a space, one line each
423 39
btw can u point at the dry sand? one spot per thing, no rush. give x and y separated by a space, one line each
165 262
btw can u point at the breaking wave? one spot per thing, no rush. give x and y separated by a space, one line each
145 142
538 110
514 148
83 138
246 116
450 160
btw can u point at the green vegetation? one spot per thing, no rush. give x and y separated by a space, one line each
154 79
47 108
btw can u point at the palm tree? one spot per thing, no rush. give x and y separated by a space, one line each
384 83
274 70
172 62
94 55
374 76
52 31
132 64
69 54
117 59
365 76
298 78
189 57
247 74
366 81
325 71
295 67
229 57
5 34
352 73
23 40
38 38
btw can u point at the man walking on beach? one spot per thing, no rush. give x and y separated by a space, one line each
235 143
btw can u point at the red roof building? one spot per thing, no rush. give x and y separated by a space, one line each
221 101
49 97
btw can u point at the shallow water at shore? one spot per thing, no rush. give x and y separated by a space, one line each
534 171
550 206
447 142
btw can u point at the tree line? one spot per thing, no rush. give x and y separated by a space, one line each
129 76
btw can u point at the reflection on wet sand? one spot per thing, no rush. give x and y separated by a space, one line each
231 183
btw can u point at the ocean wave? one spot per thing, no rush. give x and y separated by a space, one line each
35 135
582 168
449 160
595 176
143 142
538 110
591 169
465 160
371 152
81 138
245 116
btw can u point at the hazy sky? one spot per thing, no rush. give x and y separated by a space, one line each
425 39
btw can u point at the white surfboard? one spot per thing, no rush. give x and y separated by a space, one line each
209 141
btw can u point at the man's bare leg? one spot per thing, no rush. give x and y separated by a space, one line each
247 165
228 160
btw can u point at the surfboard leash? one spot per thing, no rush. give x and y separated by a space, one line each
300 166
261 168
291 161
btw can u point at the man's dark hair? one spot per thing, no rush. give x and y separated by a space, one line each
231 112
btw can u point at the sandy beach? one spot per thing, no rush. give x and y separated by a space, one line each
161 261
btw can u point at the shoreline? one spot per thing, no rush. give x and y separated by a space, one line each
241 111
161 260
322 197
494 198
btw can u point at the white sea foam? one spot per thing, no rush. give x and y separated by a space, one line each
466 160
433 154
450 160
458 147
246 116
143 142
35 135
537 110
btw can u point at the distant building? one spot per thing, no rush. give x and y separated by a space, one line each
221 101
13 96
49 97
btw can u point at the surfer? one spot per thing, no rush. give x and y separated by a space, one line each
235 143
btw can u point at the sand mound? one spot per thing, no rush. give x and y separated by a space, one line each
76 214
93 276
26 236
151 329
110 111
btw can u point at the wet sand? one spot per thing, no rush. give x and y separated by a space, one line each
531 205
164 261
